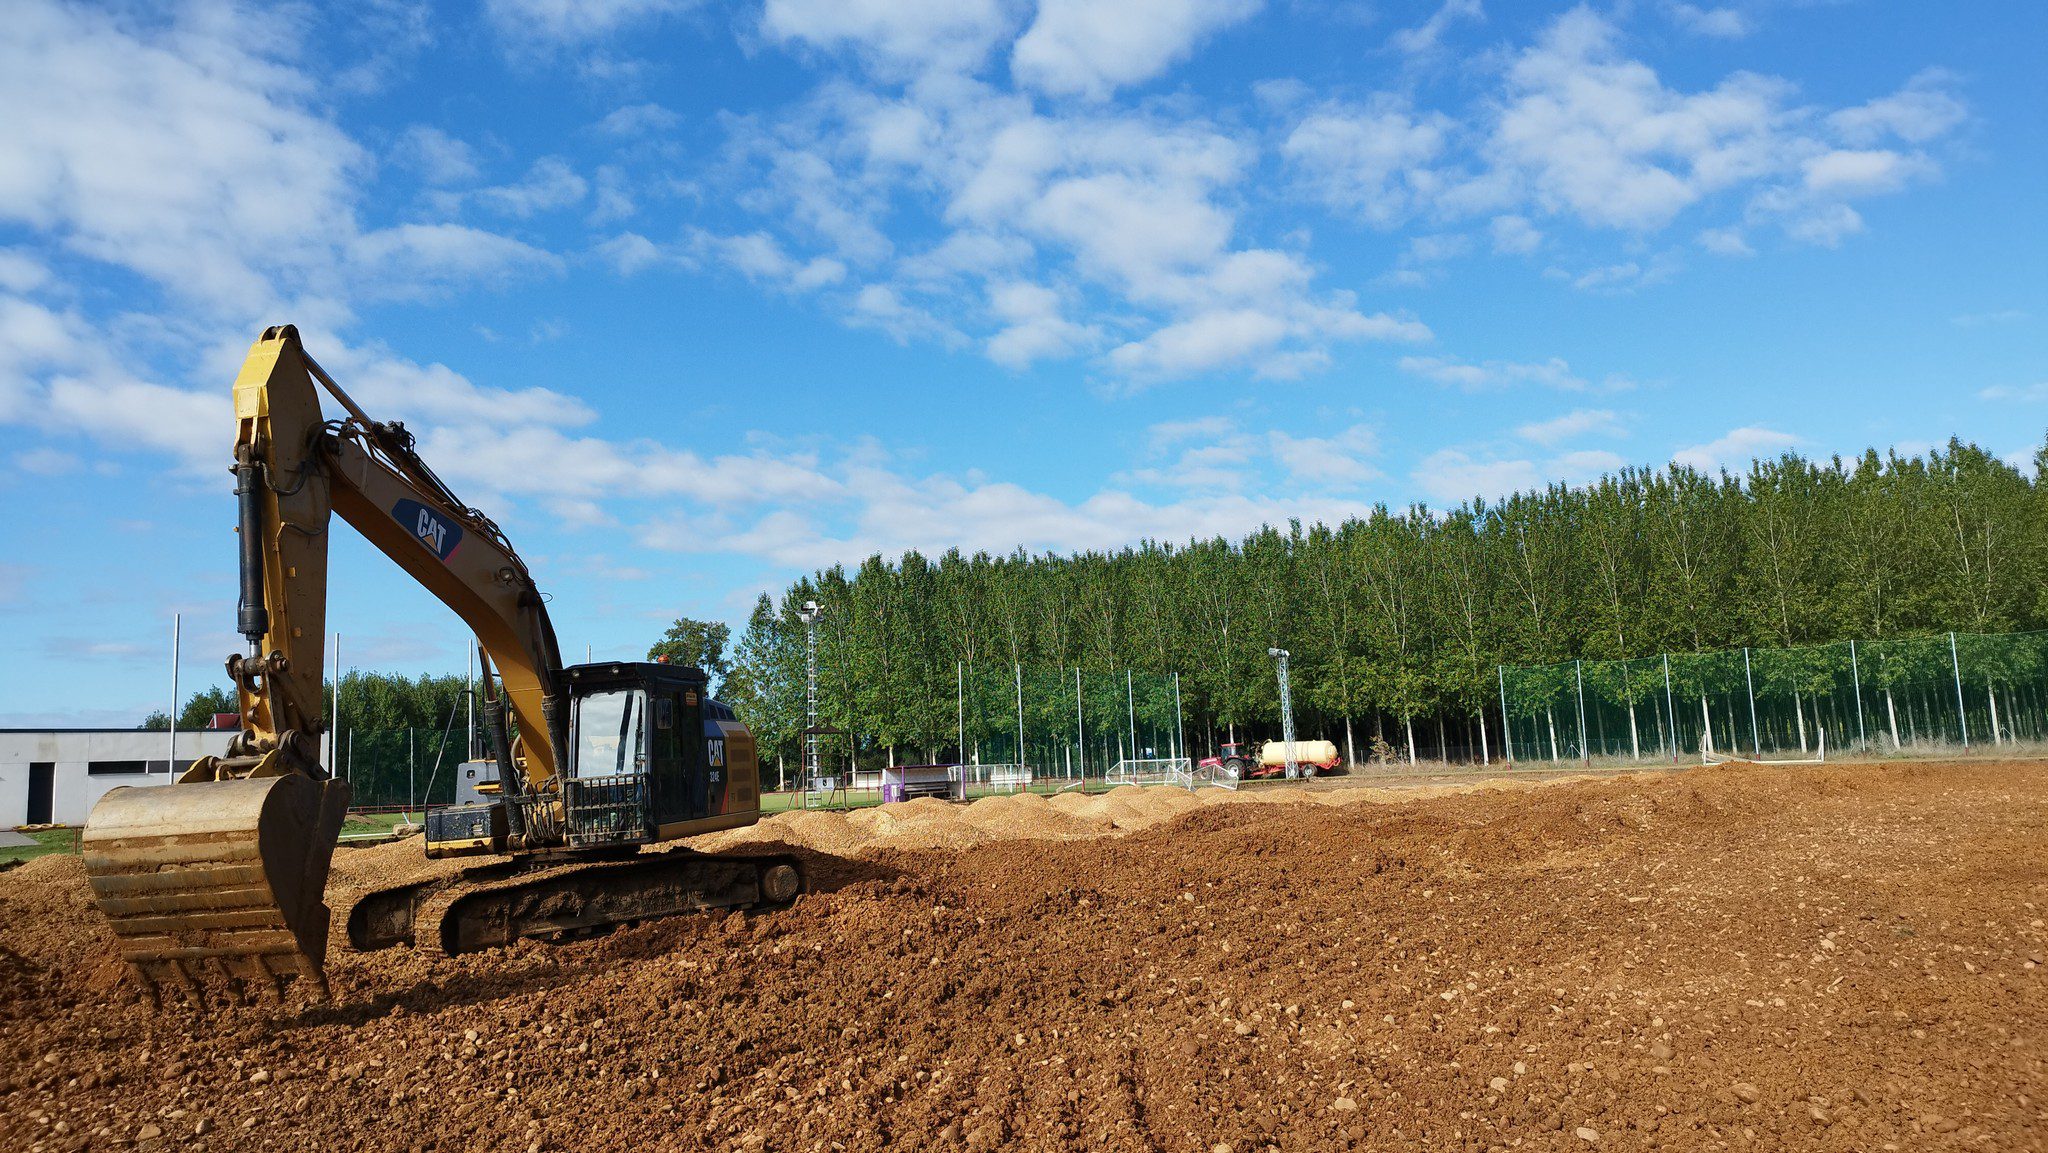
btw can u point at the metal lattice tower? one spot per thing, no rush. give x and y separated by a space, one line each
1286 712
809 615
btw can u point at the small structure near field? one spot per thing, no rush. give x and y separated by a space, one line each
908 782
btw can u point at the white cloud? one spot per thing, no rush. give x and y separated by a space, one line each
630 252
1514 235
1370 159
1339 460
572 21
172 150
1425 37
1727 23
1570 426
1452 475
1725 242
758 256
2026 392
1921 111
1600 136
1165 434
1858 172
1736 449
895 37
1035 326
639 120
420 261
1554 373
1986 319
548 185
1090 49
438 157
20 272
1133 215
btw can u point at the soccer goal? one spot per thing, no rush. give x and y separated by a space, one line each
1709 757
1150 771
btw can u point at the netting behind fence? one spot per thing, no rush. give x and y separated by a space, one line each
1916 693
1066 724
396 768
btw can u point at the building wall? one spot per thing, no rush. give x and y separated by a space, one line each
72 751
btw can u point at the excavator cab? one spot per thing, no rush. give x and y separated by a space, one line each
649 757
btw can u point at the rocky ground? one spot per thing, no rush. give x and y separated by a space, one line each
1841 957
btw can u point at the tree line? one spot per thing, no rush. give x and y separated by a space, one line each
1397 620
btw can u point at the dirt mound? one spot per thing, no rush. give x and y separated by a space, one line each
1750 958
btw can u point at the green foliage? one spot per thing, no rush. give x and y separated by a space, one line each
693 642
198 711
1400 618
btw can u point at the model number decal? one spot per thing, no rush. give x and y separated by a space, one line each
428 527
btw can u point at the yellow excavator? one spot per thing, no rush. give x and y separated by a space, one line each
219 878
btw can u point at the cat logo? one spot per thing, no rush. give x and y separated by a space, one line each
716 746
428 527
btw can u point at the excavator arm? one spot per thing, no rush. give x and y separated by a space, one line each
222 874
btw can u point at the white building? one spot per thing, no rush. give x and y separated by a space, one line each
56 775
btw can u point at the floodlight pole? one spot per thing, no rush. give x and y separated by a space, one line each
1286 710
809 615
960 712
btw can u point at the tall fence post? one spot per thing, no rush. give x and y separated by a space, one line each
1180 729
1962 711
1131 703
171 765
1670 708
1756 741
1507 728
1579 671
1856 681
1080 727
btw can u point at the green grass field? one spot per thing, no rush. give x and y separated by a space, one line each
46 841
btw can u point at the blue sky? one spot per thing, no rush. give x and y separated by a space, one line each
695 296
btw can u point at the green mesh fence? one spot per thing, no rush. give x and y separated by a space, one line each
395 768
1064 724
1927 694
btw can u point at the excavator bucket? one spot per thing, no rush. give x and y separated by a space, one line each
217 882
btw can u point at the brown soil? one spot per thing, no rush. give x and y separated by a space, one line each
1848 957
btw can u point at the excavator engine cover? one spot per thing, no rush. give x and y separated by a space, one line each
217 879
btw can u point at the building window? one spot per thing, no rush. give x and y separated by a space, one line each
112 768
158 766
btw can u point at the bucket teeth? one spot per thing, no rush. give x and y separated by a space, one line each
218 883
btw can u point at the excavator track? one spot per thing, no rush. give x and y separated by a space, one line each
465 916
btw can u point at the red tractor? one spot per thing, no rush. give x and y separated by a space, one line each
1243 762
